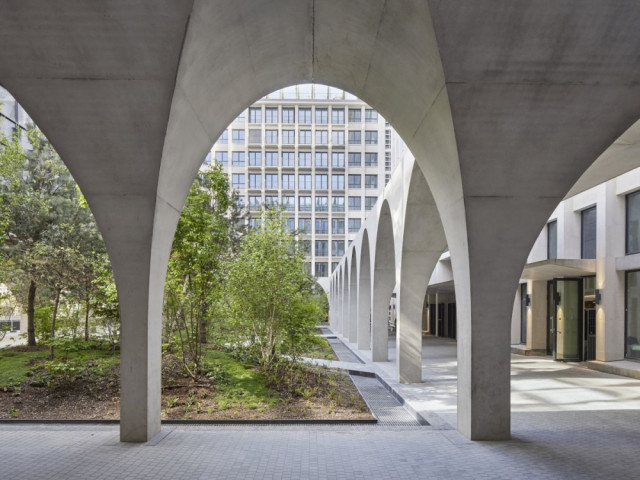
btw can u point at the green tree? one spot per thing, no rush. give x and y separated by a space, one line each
269 293
205 234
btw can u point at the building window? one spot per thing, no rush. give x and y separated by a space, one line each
304 204
633 223
271 159
354 225
271 137
337 203
237 180
322 182
355 203
304 137
289 204
355 181
255 115
322 159
255 180
304 181
288 137
306 248
370 115
242 117
632 301
337 182
337 226
321 269
291 224
304 225
337 160
355 159
337 116
271 180
337 137
322 247
288 181
322 137
271 115
387 177
370 181
222 158
355 137
370 159
334 265
337 248
355 115
288 159
288 115
304 116
387 139
387 161
371 137
271 200
322 204
322 227
224 137
255 222
369 202
255 136
237 136
304 159
255 159
552 239
588 234
255 202
237 159
322 116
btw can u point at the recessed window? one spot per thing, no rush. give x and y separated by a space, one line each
355 137
371 137
224 137
370 159
288 181
288 115
355 159
271 180
337 137
337 182
369 202
552 240
322 137
633 223
370 181
304 181
304 116
255 115
288 137
355 203
337 226
322 182
304 137
255 180
255 159
588 233
322 116
355 115
237 159
355 181
271 137
337 116
304 159
288 159
337 159
222 158
271 159
322 204
271 115
354 225
370 115
322 159
237 180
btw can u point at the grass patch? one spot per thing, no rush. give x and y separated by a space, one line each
243 384
320 348
16 365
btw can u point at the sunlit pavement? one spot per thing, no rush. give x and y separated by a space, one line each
567 422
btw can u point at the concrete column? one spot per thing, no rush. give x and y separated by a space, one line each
379 324
353 309
411 291
364 314
610 314
537 316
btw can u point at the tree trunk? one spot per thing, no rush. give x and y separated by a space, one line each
31 327
53 322
86 318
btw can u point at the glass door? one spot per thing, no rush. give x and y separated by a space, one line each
568 319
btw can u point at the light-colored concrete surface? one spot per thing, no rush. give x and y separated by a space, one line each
504 104
567 423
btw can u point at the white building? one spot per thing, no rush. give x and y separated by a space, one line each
318 151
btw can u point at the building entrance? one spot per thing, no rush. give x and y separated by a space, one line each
566 318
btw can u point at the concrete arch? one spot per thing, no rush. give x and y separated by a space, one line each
384 281
486 109
364 294
351 330
423 241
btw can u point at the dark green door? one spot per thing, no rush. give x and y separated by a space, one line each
568 319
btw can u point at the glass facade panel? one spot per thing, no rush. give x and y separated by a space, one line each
552 240
632 299
633 223
588 249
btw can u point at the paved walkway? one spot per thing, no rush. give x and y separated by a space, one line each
567 422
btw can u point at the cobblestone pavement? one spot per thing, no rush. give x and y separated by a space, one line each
567 422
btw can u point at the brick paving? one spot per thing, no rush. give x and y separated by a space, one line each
567 422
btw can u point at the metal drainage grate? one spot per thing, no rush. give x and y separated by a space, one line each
384 406
342 351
